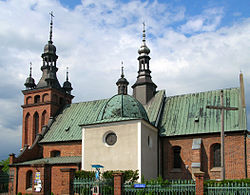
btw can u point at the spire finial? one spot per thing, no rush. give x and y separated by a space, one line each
30 69
143 33
51 26
67 74
122 75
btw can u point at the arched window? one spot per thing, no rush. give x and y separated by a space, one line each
28 100
36 124
45 97
37 99
216 155
55 153
44 115
26 128
177 157
29 179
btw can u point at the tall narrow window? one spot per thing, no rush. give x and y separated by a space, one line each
43 118
26 128
37 99
177 156
36 124
29 178
216 155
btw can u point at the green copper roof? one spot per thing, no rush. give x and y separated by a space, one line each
187 114
54 160
66 125
122 106
153 107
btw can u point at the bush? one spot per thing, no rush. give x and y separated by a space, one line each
128 175
85 174
19 193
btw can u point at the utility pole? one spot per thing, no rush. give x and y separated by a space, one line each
222 108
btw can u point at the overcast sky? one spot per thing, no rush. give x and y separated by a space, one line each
195 46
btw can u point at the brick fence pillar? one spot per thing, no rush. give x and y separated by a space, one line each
199 183
67 181
118 181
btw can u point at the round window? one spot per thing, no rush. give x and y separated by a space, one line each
110 139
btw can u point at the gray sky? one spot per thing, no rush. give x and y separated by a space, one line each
193 48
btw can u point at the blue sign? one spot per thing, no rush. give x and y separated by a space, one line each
139 185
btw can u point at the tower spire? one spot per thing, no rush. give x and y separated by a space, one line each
122 83
67 74
30 82
51 26
67 85
144 88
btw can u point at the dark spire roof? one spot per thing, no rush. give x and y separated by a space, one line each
30 82
67 85
49 78
122 83
144 88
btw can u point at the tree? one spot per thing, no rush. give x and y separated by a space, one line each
5 164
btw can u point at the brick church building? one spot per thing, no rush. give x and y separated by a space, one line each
156 134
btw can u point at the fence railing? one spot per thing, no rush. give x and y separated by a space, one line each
185 187
88 186
227 189
4 183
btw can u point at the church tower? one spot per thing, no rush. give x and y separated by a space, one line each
144 88
43 100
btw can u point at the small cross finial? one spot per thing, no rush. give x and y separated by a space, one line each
30 69
67 73
122 75
143 32
51 25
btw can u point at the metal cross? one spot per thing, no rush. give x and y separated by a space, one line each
222 108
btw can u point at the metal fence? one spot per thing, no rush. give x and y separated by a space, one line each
179 187
4 183
227 189
88 186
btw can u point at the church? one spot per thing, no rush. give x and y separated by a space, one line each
149 131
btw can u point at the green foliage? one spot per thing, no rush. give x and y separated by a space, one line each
85 174
159 181
19 193
5 164
218 183
128 175
52 193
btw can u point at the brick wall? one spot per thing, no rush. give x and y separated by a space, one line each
49 102
66 149
234 156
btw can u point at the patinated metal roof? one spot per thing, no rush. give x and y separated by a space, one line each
54 160
122 106
187 114
66 126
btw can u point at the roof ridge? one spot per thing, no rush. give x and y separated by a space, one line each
202 92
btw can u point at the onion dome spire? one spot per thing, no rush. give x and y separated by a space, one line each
143 50
144 88
30 82
122 83
67 85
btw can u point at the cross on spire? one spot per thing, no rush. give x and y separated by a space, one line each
143 33
122 75
51 26
30 69
67 74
